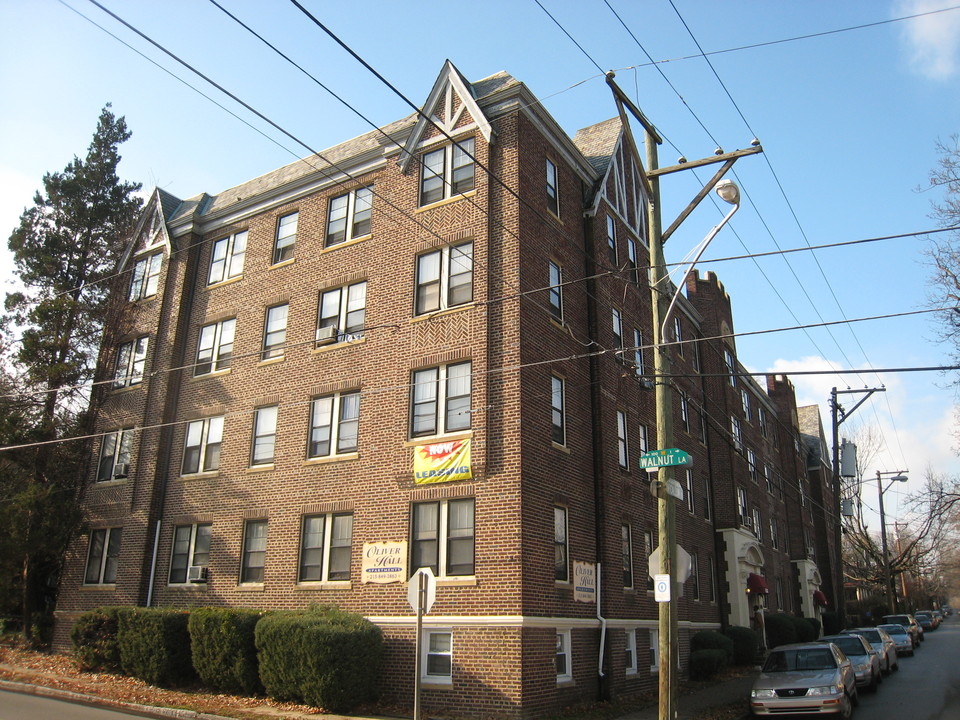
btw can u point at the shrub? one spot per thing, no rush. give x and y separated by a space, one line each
807 630
815 627
831 622
326 658
706 663
155 646
94 638
780 629
712 640
223 649
745 643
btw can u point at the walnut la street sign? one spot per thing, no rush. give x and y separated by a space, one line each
664 458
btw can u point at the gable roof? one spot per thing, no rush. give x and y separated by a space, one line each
597 143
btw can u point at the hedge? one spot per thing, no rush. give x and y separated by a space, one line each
780 629
746 642
326 658
224 650
704 664
94 638
155 646
712 640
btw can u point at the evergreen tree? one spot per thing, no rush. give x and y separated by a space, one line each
65 249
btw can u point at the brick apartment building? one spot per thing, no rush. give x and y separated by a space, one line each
429 346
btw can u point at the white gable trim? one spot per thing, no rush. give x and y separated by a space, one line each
150 233
449 81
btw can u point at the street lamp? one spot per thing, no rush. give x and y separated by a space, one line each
898 476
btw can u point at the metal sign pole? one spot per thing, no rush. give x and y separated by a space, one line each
416 663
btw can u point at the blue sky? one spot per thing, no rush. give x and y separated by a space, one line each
848 118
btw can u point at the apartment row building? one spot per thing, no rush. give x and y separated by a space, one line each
429 346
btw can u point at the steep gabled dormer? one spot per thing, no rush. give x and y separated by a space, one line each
148 245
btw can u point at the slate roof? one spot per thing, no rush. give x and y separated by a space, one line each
597 143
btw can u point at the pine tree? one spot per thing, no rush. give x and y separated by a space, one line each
65 249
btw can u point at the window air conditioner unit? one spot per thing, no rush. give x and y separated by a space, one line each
121 470
197 573
810 551
746 521
326 335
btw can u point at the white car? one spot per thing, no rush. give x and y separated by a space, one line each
805 678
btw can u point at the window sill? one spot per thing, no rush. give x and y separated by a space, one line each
272 361
250 587
345 243
221 283
108 483
559 324
433 314
125 388
434 684
337 345
464 581
432 439
324 585
192 587
265 467
331 459
565 682
212 374
561 448
282 263
104 586
446 201
200 475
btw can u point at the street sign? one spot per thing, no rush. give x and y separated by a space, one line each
661 588
430 589
664 458
681 559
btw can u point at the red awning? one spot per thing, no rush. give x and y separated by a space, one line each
819 598
757 585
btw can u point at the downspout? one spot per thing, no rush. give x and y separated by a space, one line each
603 623
153 564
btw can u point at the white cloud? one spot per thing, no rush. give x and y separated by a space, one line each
931 43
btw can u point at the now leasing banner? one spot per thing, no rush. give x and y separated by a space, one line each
442 462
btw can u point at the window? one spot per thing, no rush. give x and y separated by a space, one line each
630 652
612 240
275 331
768 476
115 455
447 172
342 313
634 274
742 506
713 580
201 451
334 424
647 551
437 666
762 420
737 434
350 216
440 400
564 659
752 465
215 347
444 278
226 258
654 650
286 240
264 435
731 367
553 201
688 476
146 277
627 551
131 358
685 411
695 358
695 574
644 438
745 401
707 510
757 524
617 324
561 553
678 335
779 592
442 537
558 415
325 542
191 547
254 551
623 452
774 534
102 557
638 351
556 292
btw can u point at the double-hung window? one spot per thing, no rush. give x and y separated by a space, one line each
191 547
440 400
752 465
736 433
146 277
131 358
617 325
630 652
444 278
226 258
691 499
695 574
731 364
623 451
442 537
334 422
201 452
561 550
643 436
275 331
264 435
634 272
102 556
325 542
349 216
612 240
638 352
558 421
742 506
564 656
254 551
286 241
745 401
437 661
553 197
342 313
757 524
447 171
215 347
555 297
115 455
626 543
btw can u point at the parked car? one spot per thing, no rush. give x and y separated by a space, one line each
866 660
805 678
901 636
881 641
937 617
925 620
910 623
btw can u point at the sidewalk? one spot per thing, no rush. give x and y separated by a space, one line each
698 700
